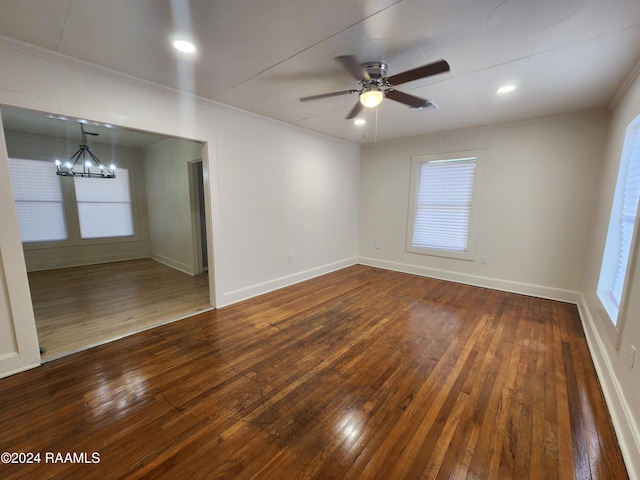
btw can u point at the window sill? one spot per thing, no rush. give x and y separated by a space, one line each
468 256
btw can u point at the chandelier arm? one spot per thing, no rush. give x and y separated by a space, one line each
86 169
109 173
95 159
69 165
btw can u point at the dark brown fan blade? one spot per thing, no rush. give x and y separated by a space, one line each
420 72
354 111
415 102
352 64
327 95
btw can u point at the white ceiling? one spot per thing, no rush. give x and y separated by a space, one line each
262 56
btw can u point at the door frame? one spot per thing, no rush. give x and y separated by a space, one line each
198 216
21 352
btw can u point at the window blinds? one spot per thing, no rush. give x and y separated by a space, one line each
38 198
443 204
629 210
106 211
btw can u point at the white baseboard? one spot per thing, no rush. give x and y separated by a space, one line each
235 296
624 425
540 291
169 262
81 262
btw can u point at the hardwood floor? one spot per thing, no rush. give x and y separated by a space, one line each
79 307
359 374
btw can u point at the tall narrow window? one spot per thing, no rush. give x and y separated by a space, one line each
104 212
442 206
624 211
38 197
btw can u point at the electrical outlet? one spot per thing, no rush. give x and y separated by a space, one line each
378 245
632 356
485 260
291 258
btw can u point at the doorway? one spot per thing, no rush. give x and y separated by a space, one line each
51 266
199 221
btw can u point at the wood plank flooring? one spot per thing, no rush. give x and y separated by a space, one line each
359 374
79 307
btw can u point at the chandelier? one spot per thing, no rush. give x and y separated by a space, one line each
83 163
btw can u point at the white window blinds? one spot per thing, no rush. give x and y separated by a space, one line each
627 217
104 212
624 211
38 198
443 204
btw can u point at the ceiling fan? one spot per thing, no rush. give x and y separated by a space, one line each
375 85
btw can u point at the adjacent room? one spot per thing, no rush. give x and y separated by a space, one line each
90 243
374 239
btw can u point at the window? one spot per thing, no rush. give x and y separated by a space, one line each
624 211
106 211
69 209
38 197
442 199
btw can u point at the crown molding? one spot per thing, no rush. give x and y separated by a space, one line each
73 62
628 81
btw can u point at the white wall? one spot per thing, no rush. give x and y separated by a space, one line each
252 169
610 347
537 180
168 202
76 251
291 194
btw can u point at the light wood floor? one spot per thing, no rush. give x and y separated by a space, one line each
79 307
359 374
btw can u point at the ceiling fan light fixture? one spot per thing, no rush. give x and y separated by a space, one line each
371 97
359 121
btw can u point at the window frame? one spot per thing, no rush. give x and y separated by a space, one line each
615 311
416 162
70 207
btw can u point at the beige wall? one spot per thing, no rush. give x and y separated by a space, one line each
172 236
536 194
76 251
611 346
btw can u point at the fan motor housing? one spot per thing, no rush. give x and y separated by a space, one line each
376 70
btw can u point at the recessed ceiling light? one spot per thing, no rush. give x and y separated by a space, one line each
506 89
359 121
184 46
